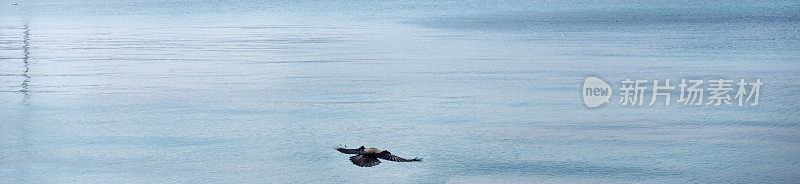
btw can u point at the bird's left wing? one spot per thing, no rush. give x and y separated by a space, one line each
351 151
388 156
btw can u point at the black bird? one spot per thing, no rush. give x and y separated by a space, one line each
368 157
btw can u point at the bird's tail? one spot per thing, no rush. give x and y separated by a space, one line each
364 161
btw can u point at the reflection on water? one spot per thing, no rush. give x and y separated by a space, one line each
173 92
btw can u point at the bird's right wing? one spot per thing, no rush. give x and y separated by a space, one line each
386 155
351 151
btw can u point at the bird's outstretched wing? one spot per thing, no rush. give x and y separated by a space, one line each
351 151
364 160
386 155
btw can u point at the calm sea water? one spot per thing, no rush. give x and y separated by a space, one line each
174 91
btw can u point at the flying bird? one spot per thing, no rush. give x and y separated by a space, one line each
368 157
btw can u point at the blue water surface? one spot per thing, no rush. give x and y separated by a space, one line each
214 91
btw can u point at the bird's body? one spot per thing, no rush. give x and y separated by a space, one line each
368 157
371 150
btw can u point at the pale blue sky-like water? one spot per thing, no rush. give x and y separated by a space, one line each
259 92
